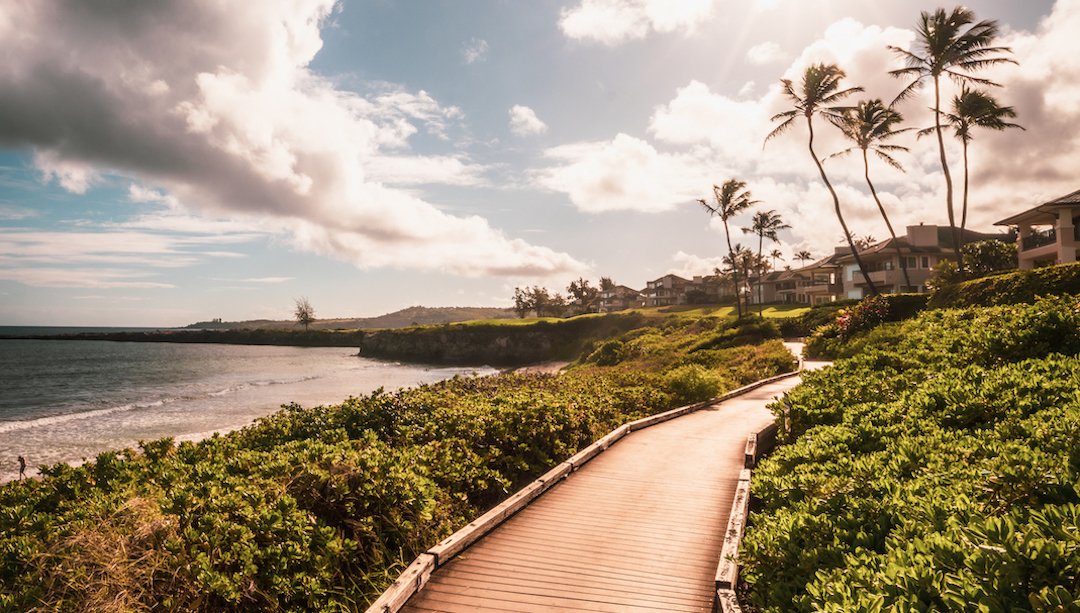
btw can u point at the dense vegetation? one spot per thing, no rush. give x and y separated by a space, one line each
1010 288
319 509
935 469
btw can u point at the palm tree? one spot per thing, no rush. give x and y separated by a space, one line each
803 256
766 224
944 47
973 108
740 260
863 242
776 253
732 198
817 93
869 125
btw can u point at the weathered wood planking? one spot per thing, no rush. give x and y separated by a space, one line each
640 527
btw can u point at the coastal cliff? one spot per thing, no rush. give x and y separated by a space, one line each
495 344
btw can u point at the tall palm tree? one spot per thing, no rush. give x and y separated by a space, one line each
973 108
943 47
803 256
869 124
818 94
766 224
731 198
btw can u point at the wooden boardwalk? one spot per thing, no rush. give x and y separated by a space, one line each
638 528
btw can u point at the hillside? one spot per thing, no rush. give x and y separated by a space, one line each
412 316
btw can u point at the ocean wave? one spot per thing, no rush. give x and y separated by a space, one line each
52 420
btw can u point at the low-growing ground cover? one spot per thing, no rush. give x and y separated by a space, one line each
937 469
319 509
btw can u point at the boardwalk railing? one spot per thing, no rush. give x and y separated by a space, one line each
413 579
727 572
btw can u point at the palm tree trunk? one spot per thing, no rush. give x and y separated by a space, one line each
899 253
963 215
839 214
948 180
760 273
734 270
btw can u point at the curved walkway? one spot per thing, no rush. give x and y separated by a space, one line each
638 528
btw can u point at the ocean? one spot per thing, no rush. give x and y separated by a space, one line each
67 401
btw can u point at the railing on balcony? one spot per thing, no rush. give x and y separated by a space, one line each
1039 239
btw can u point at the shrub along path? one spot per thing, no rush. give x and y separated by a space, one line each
638 528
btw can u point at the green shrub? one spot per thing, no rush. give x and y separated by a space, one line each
693 383
1019 287
936 469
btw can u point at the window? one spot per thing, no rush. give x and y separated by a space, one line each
911 263
925 262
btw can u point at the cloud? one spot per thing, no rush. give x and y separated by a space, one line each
702 136
626 173
523 121
475 51
212 103
12 213
765 53
612 22
694 266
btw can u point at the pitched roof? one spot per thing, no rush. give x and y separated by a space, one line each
1039 214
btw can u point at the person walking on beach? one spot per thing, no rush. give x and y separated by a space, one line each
22 468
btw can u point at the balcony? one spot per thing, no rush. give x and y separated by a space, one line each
1039 239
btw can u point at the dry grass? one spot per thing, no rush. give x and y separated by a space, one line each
116 565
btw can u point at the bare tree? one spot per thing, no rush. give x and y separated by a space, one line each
304 313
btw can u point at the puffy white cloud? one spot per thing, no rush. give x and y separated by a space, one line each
524 122
213 102
766 53
626 173
475 51
702 136
612 22
691 266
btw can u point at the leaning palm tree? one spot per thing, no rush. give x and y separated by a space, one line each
803 256
766 224
818 94
869 124
944 47
731 198
973 108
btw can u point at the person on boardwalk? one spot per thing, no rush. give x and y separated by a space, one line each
22 468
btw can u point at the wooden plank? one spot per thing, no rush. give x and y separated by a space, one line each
727 601
727 571
451 545
751 451
623 532
605 592
498 571
411 581
766 439
627 563
554 475
626 568
480 599
580 458
602 550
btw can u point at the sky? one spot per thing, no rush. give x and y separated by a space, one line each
163 163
